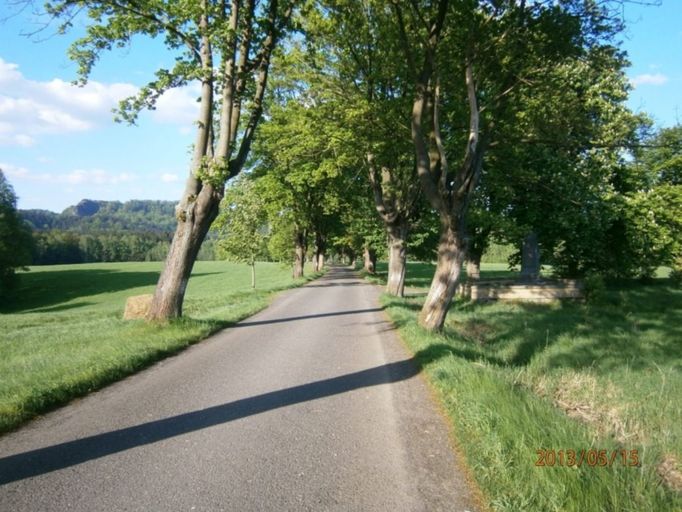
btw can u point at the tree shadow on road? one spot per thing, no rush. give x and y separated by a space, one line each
252 323
64 455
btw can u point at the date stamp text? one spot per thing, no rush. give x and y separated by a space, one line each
592 457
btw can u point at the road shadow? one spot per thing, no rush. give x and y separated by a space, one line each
338 276
64 455
306 317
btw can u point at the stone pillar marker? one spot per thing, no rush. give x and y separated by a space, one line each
530 258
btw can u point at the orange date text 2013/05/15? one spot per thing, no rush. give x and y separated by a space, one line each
591 457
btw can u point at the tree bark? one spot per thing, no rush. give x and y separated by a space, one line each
370 256
212 167
319 261
193 224
445 279
318 257
477 243
397 255
197 209
300 248
253 274
473 261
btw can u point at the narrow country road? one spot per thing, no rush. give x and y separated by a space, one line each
313 404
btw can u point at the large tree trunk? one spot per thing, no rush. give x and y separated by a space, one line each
213 166
318 257
193 224
478 241
473 262
300 247
370 256
319 261
444 285
196 210
397 255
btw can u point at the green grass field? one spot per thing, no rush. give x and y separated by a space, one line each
65 335
517 378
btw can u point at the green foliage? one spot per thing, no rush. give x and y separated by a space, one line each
242 225
498 253
654 226
302 160
15 241
561 170
663 157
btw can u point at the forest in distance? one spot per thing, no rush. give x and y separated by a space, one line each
101 231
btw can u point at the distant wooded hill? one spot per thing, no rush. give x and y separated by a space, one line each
93 231
90 216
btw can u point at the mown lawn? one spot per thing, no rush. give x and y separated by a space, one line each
64 334
518 378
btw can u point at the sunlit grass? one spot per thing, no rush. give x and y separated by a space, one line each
65 335
516 378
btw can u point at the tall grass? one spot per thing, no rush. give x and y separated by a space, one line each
516 378
65 335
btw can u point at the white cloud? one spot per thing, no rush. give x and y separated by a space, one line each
75 177
169 178
30 108
13 171
94 177
178 106
649 79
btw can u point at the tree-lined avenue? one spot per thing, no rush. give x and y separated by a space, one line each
312 404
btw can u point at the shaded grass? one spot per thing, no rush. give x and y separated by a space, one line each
419 275
516 378
65 335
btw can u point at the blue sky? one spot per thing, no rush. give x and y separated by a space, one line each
59 144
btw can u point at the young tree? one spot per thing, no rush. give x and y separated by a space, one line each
242 224
15 238
227 47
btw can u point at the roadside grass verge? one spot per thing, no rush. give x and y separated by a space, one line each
516 378
64 336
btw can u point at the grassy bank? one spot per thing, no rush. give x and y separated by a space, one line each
65 336
518 378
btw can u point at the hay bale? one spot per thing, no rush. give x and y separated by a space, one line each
137 306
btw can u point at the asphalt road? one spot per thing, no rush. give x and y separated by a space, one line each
313 404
